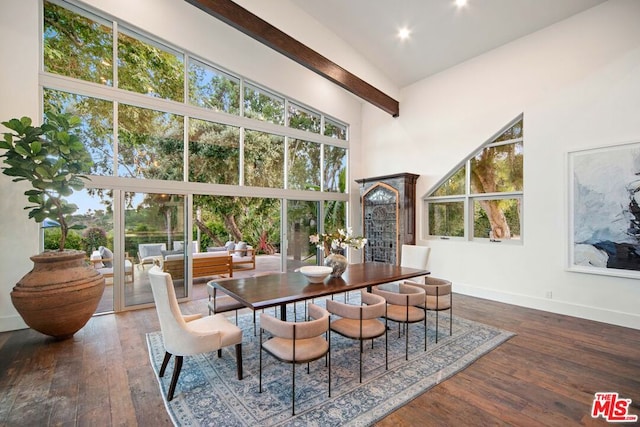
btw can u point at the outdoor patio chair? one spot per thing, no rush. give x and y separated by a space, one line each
150 253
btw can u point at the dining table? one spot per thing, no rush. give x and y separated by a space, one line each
279 289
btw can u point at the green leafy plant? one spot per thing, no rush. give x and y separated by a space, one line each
93 238
53 159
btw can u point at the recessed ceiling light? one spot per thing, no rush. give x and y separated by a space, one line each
404 33
461 3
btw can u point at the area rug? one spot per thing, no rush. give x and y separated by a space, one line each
209 393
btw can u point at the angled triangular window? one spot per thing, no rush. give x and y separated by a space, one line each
482 197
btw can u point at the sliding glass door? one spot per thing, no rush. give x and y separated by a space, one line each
302 221
154 234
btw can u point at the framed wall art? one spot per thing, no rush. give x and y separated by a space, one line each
604 210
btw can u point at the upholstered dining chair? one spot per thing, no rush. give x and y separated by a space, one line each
297 342
413 256
439 297
402 307
360 322
186 335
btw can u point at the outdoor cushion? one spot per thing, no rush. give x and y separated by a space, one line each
106 254
149 249
176 252
178 245
230 245
242 246
95 255
216 248
210 254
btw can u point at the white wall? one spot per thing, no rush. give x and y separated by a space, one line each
176 22
18 238
578 85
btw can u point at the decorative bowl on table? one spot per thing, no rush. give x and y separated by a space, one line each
315 273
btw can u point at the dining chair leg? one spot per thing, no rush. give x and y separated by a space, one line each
165 361
174 378
406 335
450 314
293 388
406 344
361 350
239 360
436 326
425 329
260 348
329 353
219 352
386 345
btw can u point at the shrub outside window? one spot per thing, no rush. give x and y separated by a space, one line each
85 53
213 89
446 218
214 152
263 159
262 105
335 129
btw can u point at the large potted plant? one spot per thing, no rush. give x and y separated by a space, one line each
62 292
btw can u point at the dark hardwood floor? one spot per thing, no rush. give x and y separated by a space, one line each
546 375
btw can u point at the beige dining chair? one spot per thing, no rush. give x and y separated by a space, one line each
187 335
413 256
402 307
296 342
360 322
439 297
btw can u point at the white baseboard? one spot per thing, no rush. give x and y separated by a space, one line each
12 323
618 318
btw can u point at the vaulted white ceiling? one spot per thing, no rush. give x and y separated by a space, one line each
442 35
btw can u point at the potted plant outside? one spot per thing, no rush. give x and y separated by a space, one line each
61 293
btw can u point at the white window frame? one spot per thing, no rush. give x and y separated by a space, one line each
469 198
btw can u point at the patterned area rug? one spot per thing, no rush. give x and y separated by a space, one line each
209 393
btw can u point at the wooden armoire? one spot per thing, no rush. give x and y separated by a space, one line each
388 215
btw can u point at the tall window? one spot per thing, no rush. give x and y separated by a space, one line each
133 136
482 198
176 140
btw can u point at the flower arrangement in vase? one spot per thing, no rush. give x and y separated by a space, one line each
334 244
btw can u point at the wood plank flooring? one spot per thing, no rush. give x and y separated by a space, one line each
546 375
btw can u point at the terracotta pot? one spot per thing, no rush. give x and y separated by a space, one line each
60 294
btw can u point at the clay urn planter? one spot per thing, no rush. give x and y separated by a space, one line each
60 294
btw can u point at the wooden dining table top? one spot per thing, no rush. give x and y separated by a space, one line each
270 290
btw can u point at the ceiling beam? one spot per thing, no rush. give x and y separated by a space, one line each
257 28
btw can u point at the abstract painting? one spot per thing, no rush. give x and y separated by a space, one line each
604 213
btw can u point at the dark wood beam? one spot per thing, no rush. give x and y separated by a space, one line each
257 28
